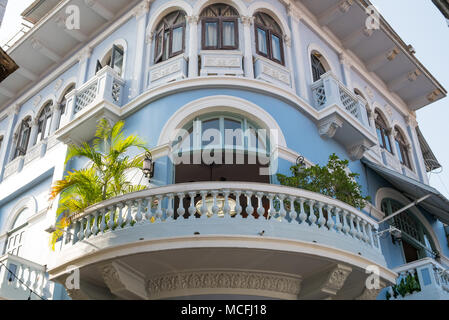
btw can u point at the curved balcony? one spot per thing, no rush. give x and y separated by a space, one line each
222 227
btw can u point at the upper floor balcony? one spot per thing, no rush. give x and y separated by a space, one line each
18 276
422 279
224 230
343 115
100 97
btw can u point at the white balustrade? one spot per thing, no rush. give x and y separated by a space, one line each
18 276
170 70
227 200
106 85
329 91
221 63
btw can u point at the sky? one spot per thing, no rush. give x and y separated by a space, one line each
418 22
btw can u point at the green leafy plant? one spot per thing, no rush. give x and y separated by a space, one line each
333 180
408 285
104 178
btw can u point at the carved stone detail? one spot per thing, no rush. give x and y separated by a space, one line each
345 5
336 279
111 277
247 20
329 127
224 280
357 151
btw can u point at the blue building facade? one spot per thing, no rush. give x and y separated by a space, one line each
319 77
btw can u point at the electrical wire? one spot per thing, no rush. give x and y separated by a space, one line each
14 275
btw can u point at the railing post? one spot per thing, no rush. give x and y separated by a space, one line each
332 89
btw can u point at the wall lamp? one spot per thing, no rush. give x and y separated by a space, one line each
148 166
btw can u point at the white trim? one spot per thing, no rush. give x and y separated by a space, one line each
200 5
25 203
220 103
163 10
118 42
316 47
62 90
50 98
272 11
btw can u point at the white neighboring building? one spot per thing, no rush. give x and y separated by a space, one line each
3 4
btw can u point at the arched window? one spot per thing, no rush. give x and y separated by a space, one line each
416 241
44 122
318 65
402 148
220 27
23 138
269 38
114 59
15 241
382 132
63 104
170 36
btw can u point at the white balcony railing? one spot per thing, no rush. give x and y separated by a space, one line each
433 280
299 215
105 86
170 70
221 63
330 91
273 72
14 166
18 276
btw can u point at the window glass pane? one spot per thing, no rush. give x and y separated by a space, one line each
262 41
387 142
398 148
166 54
211 32
276 47
229 34
379 137
117 64
159 46
233 129
177 39
211 126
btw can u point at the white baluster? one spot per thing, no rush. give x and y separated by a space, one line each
346 227
321 220
111 217
139 216
181 211
249 207
353 230
238 206
370 234
159 212
339 225
88 227
149 212
302 214
215 208
330 219
94 229
226 207
260 209
103 220
170 208
129 216
120 215
312 216
192 208
359 234
293 214
282 211
81 231
203 209
271 209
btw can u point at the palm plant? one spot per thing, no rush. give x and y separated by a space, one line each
104 178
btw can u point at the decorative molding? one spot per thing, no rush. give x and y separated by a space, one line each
142 8
247 20
124 281
193 19
357 151
257 281
329 126
336 279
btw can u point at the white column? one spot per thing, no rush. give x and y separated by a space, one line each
346 66
83 65
248 52
300 71
149 41
141 16
290 66
55 118
416 153
193 45
33 134
8 139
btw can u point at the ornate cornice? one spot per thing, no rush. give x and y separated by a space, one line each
258 281
336 279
